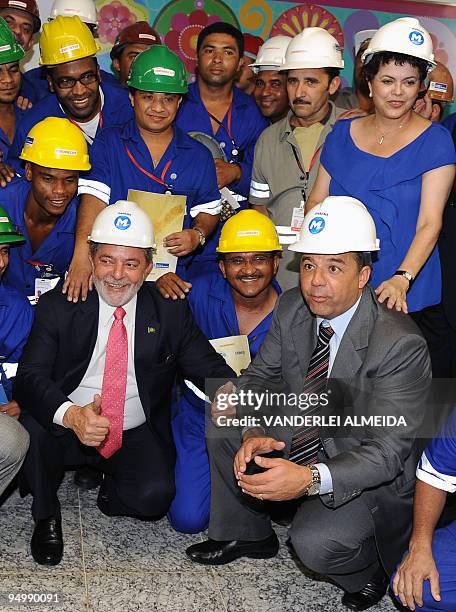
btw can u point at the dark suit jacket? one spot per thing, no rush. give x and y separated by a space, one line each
382 367
63 337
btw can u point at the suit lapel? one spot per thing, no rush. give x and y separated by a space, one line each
353 346
304 337
147 330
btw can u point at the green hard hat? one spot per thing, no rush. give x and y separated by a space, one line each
158 69
8 235
10 50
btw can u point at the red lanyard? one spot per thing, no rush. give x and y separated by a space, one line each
160 180
312 161
100 122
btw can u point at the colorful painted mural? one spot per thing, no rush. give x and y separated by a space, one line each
179 22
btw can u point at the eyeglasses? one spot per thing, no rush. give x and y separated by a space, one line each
69 82
255 260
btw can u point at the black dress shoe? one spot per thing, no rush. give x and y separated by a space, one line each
213 552
87 478
369 595
47 542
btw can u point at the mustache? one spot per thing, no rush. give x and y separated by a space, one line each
300 101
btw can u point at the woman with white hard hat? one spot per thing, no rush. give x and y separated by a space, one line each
399 164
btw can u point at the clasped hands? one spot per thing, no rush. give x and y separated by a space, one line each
282 480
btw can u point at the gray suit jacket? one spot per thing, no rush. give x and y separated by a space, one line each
382 368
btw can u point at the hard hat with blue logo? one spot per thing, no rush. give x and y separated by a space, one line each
339 224
405 35
124 223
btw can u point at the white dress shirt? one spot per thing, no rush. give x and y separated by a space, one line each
339 324
92 380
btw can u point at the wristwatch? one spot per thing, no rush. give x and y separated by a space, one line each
315 484
406 275
202 237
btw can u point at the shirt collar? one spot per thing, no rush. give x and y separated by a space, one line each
107 311
130 133
288 128
240 99
340 323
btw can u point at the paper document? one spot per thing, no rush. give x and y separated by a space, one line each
235 351
167 213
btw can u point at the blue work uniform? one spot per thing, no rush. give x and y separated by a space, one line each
116 111
31 89
16 318
119 158
212 305
246 124
53 256
238 134
437 468
35 82
5 144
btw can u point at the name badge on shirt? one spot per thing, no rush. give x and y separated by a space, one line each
297 218
42 285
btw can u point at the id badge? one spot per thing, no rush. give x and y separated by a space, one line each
42 285
297 218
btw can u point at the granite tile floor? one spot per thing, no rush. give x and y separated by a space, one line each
125 565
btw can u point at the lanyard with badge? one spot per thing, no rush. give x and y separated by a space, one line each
160 180
234 151
297 217
47 280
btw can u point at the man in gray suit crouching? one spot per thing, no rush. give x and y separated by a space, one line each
349 378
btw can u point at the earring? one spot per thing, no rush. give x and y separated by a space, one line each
370 94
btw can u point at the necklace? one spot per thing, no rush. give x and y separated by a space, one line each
383 134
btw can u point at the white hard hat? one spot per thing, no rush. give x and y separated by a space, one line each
124 224
339 224
84 9
360 37
271 54
313 48
405 35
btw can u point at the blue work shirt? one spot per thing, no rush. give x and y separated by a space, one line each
16 318
190 173
116 111
212 306
5 144
247 123
35 83
53 256
31 88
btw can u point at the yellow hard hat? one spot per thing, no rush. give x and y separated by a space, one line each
66 39
56 143
248 232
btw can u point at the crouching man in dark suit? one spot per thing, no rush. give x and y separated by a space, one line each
95 382
353 479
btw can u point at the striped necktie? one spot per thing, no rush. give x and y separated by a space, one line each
305 442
